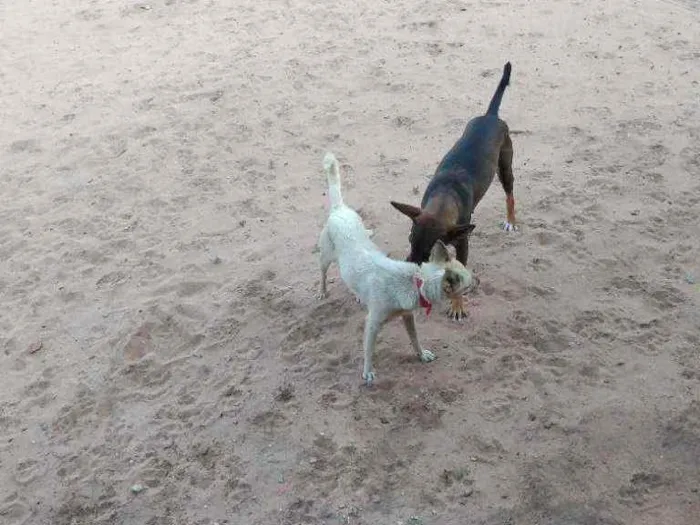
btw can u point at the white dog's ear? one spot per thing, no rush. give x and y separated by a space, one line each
412 212
439 253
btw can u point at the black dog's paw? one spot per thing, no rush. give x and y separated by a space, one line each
509 227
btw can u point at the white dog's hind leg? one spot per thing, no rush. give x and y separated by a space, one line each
410 323
372 326
326 257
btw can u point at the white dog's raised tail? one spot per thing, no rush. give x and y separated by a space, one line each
330 164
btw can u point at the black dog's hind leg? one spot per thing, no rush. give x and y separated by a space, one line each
505 175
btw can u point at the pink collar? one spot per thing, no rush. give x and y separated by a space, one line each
422 301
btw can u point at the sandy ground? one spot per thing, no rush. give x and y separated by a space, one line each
161 196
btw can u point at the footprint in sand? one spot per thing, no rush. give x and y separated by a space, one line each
13 511
77 415
28 470
25 146
690 159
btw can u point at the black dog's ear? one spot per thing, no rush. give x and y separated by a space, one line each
412 212
459 231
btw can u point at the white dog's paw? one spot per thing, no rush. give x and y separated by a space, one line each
508 227
321 295
369 377
427 356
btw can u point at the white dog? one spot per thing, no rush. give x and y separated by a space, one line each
387 287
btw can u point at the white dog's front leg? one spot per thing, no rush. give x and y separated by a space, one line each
372 326
410 323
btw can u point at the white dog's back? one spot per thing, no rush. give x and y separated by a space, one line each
361 263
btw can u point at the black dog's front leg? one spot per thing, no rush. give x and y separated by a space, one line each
457 309
462 249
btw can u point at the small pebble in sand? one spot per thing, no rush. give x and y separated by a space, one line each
136 489
35 347
689 278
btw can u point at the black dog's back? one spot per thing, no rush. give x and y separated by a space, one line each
469 166
474 150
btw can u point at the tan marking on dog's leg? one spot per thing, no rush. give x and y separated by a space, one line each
505 174
509 224
510 209
410 323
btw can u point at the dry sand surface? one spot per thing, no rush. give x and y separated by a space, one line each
162 193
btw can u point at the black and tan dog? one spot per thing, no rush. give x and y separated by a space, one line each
459 183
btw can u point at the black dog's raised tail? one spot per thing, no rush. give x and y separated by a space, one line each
498 95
